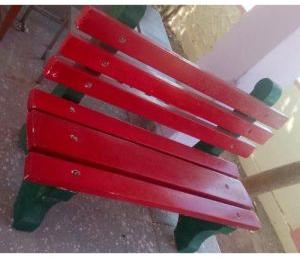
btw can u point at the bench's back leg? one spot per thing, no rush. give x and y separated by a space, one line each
190 233
33 200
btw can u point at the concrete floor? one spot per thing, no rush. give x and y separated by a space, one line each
86 223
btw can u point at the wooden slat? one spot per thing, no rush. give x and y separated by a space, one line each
119 36
79 80
81 178
45 102
88 146
100 60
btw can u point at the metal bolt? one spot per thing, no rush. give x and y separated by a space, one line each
72 109
75 172
104 63
54 75
74 138
122 39
88 85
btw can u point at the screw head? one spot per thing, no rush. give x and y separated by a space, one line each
74 138
72 109
105 63
122 39
75 172
88 85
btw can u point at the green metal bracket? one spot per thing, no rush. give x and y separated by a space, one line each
206 147
67 93
190 233
127 14
33 200
267 91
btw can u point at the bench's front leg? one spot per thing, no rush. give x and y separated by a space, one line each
33 202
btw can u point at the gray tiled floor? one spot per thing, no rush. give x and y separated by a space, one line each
86 223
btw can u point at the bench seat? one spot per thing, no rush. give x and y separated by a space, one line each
79 158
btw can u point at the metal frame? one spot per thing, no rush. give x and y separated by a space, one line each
9 19
63 21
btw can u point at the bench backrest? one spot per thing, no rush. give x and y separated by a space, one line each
199 105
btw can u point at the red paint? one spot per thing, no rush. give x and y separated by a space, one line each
88 146
78 79
110 31
47 103
77 177
104 62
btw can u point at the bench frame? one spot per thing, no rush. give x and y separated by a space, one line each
34 201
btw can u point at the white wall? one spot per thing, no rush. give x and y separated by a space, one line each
250 40
281 64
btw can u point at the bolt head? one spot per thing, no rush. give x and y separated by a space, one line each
75 172
122 39
105 63
88 85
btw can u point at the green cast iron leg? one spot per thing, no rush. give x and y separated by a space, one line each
33 200
190 233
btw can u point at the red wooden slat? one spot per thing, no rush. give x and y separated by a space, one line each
81 178
98 149
102 61
119 36
79 80
42 101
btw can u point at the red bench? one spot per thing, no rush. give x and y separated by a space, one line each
77 149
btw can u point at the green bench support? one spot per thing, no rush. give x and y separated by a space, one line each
33 200
190 233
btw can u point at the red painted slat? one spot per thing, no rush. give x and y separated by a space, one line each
102 61
85 145
79 80
81 178
119 36
45 102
